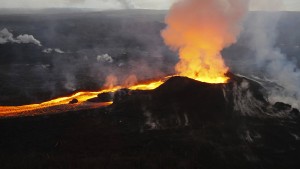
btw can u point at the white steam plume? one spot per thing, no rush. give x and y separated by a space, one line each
8 37
269 59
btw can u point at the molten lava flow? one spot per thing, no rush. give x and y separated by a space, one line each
62 104
199 31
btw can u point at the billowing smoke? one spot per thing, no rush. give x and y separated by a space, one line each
199 31
8 37
27 39
105 58
262 31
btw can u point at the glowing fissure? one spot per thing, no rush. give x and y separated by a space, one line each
82 97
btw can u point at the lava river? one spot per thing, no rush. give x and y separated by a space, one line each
62 104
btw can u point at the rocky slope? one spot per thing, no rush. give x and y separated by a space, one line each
182 124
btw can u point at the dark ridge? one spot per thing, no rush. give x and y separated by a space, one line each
182 96
103 97
258 91
191 96
282 106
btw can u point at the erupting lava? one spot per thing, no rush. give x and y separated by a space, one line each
200 30
62 104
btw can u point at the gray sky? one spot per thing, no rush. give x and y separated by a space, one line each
149 4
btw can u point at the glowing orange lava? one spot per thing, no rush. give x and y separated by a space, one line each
209 67
62 104
199 31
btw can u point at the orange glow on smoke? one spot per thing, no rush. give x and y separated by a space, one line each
199 31
208 68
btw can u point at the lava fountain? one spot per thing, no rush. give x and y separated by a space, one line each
199 30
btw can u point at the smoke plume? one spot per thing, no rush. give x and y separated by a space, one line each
8 37
271 62
199 31
268 58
